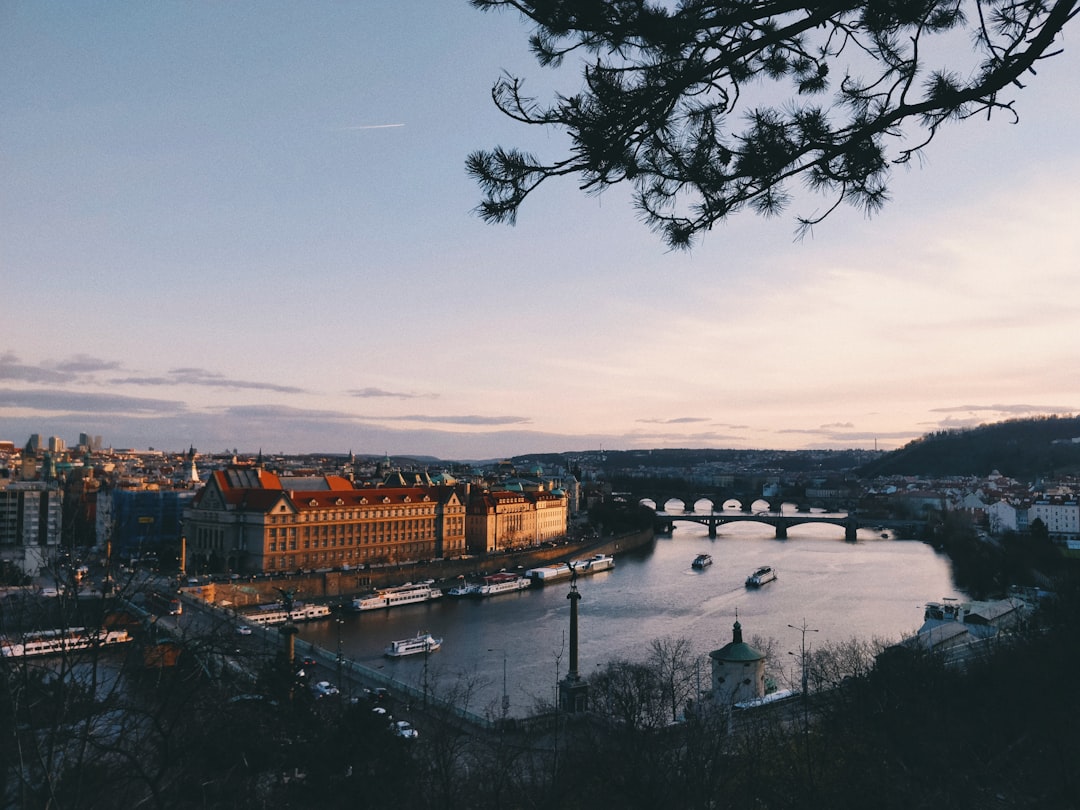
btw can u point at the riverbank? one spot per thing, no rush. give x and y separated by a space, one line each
338 586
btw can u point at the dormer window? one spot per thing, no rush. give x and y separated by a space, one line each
313 502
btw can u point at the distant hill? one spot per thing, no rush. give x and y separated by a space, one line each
1024 449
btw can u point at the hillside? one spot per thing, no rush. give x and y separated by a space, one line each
1024 449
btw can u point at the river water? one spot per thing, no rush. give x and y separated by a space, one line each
873 588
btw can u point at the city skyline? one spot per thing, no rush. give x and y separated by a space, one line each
250 226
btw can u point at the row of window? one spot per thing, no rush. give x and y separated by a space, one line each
350 514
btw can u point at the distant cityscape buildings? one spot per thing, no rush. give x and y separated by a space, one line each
286 513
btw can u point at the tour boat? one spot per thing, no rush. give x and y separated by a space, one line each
421 643
55 642
702 561
392 597
760 576
503 582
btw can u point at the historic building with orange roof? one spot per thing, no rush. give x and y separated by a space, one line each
247 520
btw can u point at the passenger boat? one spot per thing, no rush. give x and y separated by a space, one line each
702 561
405 594
553 573
275 614
762 575
503 582
56 642
421 643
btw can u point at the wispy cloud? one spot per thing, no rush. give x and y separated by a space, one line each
362 127
1011 409
198 376
375 393
458 420
81 402
11 368
678 420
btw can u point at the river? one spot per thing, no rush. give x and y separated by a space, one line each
873 588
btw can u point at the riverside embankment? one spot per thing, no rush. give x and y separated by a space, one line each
335 586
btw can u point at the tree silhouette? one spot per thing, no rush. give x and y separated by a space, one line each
846 89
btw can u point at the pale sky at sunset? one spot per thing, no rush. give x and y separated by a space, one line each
249 225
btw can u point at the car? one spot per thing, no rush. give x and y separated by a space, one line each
379 710
308 661
243 630
404 729
323 689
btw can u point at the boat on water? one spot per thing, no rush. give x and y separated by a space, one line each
421 643
553 573
57 642
275 614
702 561
503 582
406 594
760 576
464 589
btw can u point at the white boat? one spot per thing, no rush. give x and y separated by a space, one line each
554 573
762 575
421 643
55 642
275 614
402 595
503 582
702 561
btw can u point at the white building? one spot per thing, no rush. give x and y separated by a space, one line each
1061 518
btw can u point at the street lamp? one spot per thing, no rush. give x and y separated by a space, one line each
505 694
805 675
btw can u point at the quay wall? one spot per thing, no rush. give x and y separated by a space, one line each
338 586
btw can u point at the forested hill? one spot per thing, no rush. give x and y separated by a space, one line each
1024 449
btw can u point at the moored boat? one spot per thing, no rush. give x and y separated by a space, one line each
702 561
553 573
503 582
760 576
406 594
421 643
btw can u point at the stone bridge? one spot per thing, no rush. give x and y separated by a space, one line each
665 521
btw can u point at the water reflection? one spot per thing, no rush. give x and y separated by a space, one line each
872 588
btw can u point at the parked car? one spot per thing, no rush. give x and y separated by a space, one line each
243 630
323 689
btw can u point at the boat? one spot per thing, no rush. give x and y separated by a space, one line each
421 643
503 582
57 642
554 573
702 561
275 614
464 589
406 594
762 575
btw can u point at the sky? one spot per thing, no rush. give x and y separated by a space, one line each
248 225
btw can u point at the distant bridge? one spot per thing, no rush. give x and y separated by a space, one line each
665 521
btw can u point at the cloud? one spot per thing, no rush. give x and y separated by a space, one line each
678 420
362 127
458 420
835 425
64 371
366 393
1013 409
81 402
202 377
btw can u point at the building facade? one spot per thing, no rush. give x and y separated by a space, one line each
31 520
505 520
1061 516
249 521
